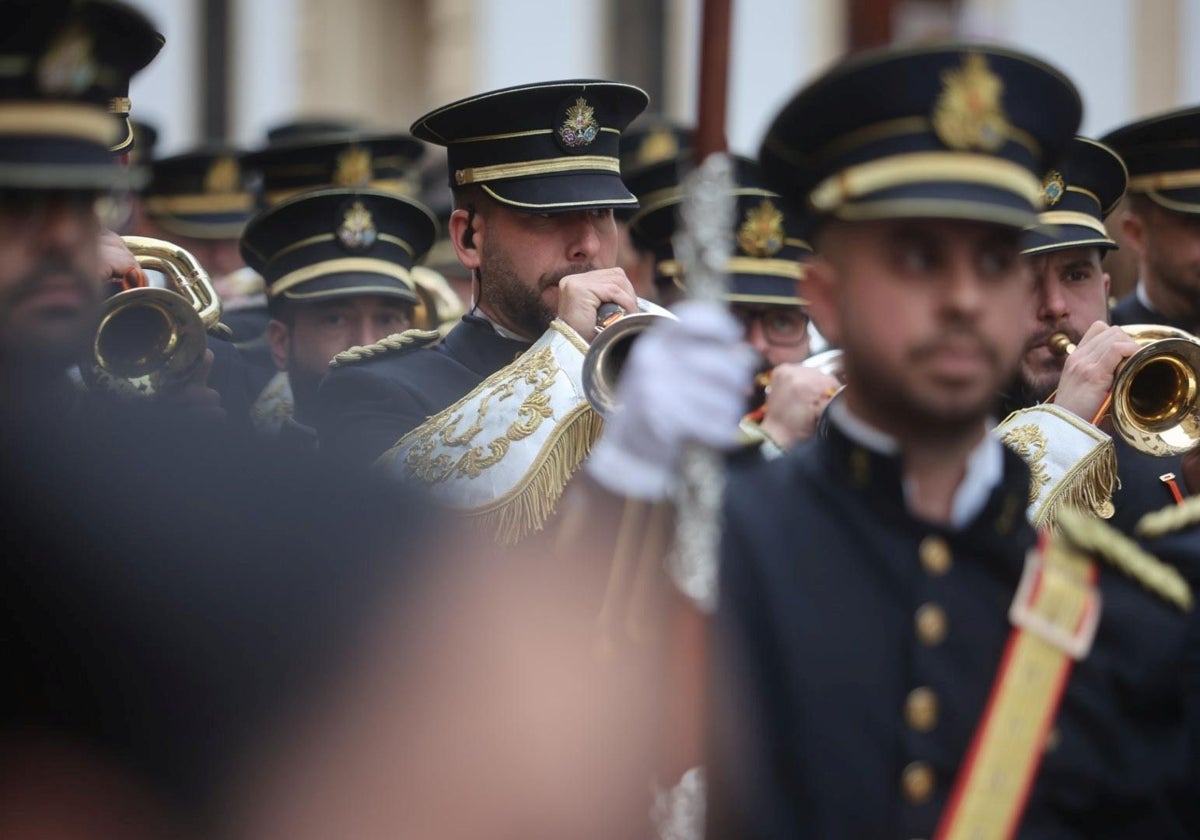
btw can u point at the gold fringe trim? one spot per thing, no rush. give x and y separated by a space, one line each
391 344
1088 487
530 505
1170 519
1099 539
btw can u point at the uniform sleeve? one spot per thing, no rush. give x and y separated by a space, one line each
1071 463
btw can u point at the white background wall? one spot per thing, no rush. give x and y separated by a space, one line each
166 92
776 45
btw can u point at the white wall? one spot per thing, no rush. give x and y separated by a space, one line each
265 72
521 41
166 94
775 47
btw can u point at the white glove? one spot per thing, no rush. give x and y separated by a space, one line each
685 381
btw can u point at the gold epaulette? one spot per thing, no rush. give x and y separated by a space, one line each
394 343
1100 540
1170 519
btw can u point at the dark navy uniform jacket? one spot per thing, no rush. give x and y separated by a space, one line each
1130 310
368 406
1141 490
836 605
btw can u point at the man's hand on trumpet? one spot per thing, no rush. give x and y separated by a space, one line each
796 399
685 381
1088 371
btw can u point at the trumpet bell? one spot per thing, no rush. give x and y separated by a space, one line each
606 357
151 340
148 341
1156 393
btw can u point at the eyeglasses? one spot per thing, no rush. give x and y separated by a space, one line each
785 326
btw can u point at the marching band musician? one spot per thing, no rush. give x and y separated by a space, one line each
68 67
493 416
895 655
765 295
1057 425
337 266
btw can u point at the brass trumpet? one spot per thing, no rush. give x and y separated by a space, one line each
1155 398
605 358
151 340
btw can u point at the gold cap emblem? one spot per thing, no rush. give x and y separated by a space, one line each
223 176
67 68
357 230
1053 188
660 144
968 113
761 234
580 127
353 168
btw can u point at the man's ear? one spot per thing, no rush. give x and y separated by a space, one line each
466 234
279 338
821 290
1133 230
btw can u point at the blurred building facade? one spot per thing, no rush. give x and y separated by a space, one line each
233 67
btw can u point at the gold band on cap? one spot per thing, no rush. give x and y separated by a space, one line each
1072 217
1165 181
1084 191
83 122
546 166
917 167
742 265
215 203
339 266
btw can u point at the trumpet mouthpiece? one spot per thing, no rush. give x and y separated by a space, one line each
1060 344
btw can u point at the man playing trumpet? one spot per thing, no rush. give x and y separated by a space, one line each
1062 399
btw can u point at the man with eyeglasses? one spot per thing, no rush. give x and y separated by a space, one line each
765 274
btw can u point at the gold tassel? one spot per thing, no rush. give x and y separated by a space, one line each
1088 488
528 507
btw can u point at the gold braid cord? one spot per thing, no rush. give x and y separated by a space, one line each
1170 519
1100 540
407 340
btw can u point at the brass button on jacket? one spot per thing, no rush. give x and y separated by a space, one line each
931 624
917 782
921 709
935 556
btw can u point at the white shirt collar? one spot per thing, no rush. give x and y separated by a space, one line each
985 464
503 332
1143 298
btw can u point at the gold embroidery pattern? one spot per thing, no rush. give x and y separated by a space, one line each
224 176
353 168
761 235
273 406
1030 443
580 127
968 113
536 369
